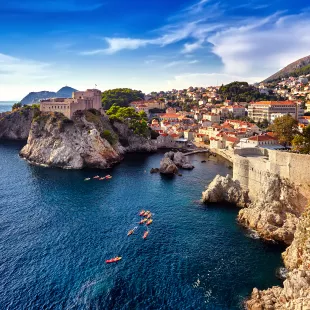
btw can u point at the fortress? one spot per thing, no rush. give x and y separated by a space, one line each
81 100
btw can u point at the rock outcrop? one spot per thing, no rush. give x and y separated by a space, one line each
88 140
131 142
167 166
180 160
16 125
273 214
295 293
225 189
56 141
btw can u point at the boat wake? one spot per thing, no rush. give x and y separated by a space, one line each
252 234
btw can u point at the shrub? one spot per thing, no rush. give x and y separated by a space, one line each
106 134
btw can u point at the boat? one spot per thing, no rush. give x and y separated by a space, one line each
142 221
113 260
149 216
130 232
146 213
86 179
100 179
141 212
149 222
146 233
96 177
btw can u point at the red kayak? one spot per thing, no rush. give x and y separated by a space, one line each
142 213
113 260
145 235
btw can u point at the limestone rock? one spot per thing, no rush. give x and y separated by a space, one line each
226 189
182 161
274 214
295 293
167 166
16 125
58 142
131 142
179 159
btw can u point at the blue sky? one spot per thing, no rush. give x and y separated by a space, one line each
147 45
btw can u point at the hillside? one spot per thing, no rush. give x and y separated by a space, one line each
34 97
296 68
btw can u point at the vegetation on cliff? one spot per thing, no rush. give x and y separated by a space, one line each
120 97
296 68
137 121
243 92
301 142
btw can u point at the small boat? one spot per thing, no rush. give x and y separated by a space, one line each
100 179
149 216
146 233
130 232
146 213
141 212
96 177
86 179
149 222
142 221
113 260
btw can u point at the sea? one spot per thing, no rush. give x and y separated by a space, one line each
6 105
57 230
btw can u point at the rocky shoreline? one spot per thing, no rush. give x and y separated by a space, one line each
276 214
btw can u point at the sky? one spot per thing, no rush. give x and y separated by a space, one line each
146 45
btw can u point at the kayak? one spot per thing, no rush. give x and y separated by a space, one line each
142 213
113 260
145 235
149 222
130 232
142 221
96 177
149 216
86 179
146 213
100 179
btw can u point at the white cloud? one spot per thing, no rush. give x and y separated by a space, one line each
263 46
180 63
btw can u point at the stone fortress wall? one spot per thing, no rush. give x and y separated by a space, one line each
252 166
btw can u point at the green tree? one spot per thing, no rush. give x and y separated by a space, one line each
16 106
301 142
285 128
120 97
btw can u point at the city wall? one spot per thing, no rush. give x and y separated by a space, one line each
252 167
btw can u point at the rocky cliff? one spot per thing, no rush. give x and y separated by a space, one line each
88 140
273 213
16 125
295 293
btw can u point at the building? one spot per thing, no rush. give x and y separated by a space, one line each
237 110
212 117
308 106
261 110
81 100
263 141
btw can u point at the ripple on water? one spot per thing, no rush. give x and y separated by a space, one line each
56 231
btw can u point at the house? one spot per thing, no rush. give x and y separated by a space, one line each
212 117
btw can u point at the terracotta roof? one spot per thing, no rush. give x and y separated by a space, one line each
288 102
262 138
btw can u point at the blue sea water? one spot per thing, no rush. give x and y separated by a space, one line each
6 106
56 231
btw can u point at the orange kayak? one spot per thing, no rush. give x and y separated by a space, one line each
142 213
146 213
130 232
96 177
149 216
145 235
149 222
142 221
113 260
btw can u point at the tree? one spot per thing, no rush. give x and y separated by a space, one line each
301 142
121 97
16 106
285 128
